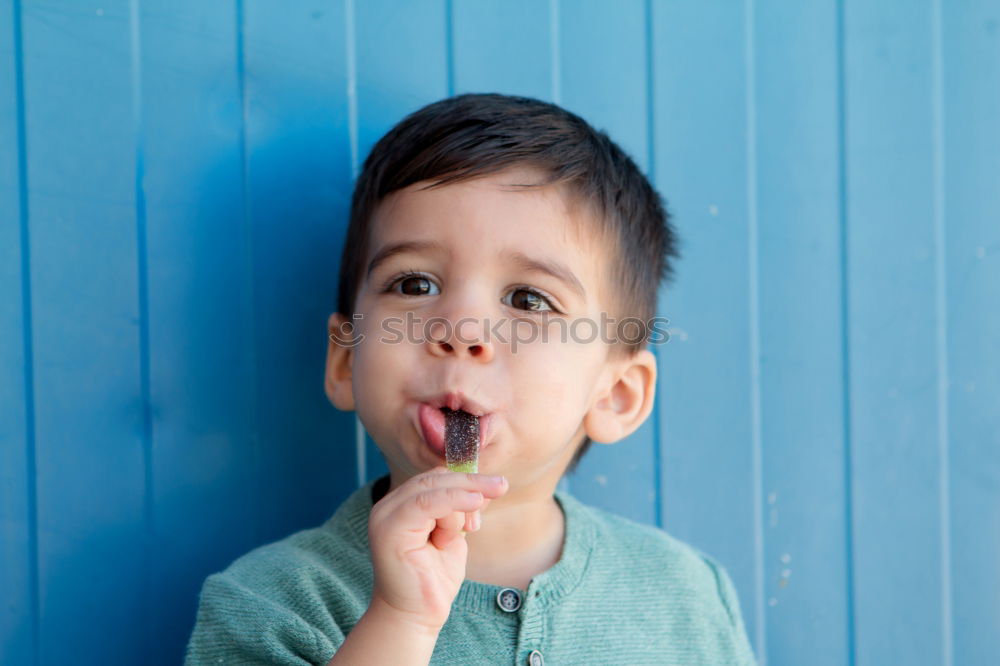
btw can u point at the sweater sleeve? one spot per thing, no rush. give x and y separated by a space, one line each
236 625
731 602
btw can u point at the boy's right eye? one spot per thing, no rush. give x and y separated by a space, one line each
414 285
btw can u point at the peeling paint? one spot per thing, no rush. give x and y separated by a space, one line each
678 333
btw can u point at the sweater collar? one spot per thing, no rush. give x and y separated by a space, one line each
545 589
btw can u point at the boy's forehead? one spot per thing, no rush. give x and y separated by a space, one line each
512 212
510 196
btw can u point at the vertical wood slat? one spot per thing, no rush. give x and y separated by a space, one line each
390 86
204 470
706 410
893 365
297 186
84 260
940 335
503 46
969 36
18 552
804 587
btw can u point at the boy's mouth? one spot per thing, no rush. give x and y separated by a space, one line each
456 400
430 415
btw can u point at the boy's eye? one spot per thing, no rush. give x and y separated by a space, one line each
528 299
415 285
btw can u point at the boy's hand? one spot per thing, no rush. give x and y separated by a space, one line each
418 547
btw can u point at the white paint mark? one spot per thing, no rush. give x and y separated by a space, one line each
713 210
772 497
678 333
786 573
601 480
786 558
772 602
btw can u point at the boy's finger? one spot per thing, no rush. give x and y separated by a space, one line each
436 504
447 529
473 521
440 477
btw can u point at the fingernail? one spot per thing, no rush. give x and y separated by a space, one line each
477 522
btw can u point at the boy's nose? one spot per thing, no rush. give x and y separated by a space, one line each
462 337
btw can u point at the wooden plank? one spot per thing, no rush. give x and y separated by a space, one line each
603 58
892 324
204 458
85 267
17 548
401 57
797 149
707 410
968 254
298 185
505 46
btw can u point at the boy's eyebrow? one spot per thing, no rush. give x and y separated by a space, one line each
553 268
393 249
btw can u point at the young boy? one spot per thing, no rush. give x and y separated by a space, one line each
484 230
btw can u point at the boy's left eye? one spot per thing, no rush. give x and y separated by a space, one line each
523 298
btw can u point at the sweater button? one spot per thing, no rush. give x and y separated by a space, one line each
535 659
509 600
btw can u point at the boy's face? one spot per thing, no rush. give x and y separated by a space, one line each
462 282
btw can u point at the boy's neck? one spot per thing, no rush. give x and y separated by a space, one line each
518 540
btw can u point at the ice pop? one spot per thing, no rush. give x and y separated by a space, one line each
461 441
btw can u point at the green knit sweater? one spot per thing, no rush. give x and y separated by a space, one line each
621 593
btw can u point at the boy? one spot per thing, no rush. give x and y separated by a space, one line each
483 230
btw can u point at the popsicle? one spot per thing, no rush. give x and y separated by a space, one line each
461 441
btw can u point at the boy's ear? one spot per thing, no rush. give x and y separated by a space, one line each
339 362
627 399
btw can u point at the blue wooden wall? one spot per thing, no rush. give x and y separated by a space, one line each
174 178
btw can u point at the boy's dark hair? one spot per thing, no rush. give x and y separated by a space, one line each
468 136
